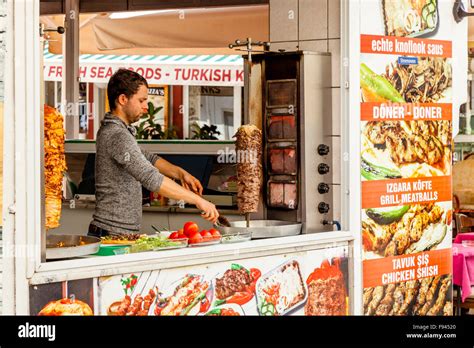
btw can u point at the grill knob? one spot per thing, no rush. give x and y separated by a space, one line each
323 168
323 150
323 208
323 188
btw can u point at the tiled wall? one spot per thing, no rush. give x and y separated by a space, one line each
313 25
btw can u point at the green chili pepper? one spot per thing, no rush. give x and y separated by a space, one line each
373 172
387 216
378 85
218 303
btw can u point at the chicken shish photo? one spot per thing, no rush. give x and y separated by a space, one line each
410 17
404 229
428 296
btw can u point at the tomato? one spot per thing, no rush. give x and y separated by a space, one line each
215 233
174 235
181 234
240 298
190 227
195 238
255 273
206 235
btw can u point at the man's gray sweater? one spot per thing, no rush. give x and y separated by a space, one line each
121 168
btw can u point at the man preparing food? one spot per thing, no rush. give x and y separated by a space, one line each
122 167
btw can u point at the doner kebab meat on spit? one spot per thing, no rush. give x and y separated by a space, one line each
249 168
54 165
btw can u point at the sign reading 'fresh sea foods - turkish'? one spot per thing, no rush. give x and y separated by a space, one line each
406 152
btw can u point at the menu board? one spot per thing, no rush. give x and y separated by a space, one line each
406 113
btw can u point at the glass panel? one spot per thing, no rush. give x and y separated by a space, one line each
83 110
211 113
154 124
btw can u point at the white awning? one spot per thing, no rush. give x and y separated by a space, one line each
193 70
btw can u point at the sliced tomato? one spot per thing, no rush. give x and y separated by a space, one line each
240 298
255 273
206 301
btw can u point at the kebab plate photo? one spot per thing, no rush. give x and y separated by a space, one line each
410 17
405 229
406 148
236 285
430 296
185 298
327 290
140 306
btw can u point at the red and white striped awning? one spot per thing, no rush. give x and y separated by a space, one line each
197 70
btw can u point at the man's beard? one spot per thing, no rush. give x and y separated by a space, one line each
132 118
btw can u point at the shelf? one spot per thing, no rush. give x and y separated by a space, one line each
464 138
163 147
156 209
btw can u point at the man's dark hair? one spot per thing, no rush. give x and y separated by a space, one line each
126 82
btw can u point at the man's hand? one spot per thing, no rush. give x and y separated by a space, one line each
209 210
190 183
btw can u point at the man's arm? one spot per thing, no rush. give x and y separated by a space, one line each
127 153
187 180
172 190
169 169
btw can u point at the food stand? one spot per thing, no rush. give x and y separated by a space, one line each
291 275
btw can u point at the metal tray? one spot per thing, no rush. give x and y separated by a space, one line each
72 246
236 237
263 228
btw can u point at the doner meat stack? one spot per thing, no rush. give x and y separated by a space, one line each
249 169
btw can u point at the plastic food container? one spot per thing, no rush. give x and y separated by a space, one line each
161 244
206 242
177 244
111 249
